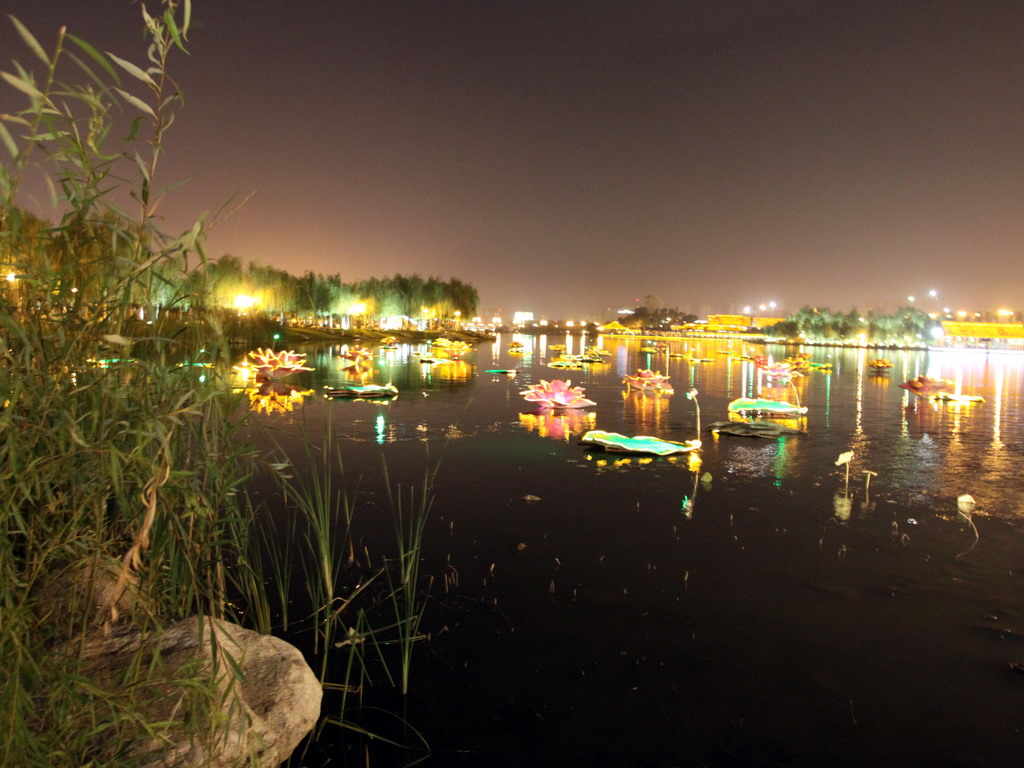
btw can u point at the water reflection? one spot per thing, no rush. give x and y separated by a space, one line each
649 410
275 397
922 450
558 425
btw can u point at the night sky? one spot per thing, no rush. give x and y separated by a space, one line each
568 157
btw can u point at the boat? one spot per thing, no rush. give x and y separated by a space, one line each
765 429
949 397
880 364
616 443
365 391
505 371
759 405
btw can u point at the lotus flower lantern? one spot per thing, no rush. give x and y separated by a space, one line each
647 380
356 356
268 364
556 394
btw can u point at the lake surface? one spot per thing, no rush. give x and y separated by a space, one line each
595 609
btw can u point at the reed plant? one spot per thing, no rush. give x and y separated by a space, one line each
410 509
120 470
128 479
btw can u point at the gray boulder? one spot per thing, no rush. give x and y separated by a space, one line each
266 696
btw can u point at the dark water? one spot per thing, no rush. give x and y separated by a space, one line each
608 622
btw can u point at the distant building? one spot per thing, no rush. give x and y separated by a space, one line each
729 322
977 335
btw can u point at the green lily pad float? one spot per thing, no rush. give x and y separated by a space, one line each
749 404
616 443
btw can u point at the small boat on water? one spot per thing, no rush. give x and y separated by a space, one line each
949 397
880 364
765 429
365 391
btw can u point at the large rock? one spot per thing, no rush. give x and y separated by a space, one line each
267 697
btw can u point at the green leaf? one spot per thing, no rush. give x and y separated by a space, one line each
172 28
30 41
135 101
187 20
22 85
133 131
95 55
132 70
8 140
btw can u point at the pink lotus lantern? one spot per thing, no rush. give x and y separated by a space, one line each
647 380
268 364
556 394
775 370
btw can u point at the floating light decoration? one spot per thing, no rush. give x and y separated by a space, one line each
647 380
268 364
556 394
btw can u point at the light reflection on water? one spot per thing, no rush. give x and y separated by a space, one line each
752 574
921 450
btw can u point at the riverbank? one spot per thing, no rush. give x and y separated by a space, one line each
312 334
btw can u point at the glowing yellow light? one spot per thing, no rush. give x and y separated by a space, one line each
1005 312
358 308
11 277
244 302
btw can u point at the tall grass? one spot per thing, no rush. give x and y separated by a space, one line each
365 613
120 471
127 480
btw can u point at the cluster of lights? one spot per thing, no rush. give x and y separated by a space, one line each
772 305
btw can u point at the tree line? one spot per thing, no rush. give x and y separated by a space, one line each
822 323
90 268
278 292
